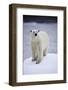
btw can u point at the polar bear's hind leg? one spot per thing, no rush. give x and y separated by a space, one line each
45 52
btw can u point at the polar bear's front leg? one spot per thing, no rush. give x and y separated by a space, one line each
40 55
33 53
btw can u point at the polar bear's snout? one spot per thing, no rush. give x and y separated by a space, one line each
35 34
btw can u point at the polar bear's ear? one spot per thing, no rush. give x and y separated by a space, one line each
38 30
30 30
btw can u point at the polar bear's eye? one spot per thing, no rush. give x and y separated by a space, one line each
33 32
38 30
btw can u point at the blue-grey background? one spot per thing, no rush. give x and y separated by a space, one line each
43 23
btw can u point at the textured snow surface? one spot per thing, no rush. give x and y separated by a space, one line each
47 66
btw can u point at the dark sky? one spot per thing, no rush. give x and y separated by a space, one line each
39 19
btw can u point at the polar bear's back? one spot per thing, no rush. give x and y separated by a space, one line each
43 35
44 38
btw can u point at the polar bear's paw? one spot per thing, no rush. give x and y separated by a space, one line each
37 62
33 59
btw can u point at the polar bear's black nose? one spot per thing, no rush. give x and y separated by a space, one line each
35 34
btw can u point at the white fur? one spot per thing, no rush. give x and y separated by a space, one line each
39 45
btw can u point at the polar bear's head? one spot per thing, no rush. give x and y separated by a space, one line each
34 33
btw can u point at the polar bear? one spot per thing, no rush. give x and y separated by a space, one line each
39 45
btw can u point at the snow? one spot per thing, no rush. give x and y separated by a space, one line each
47 66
